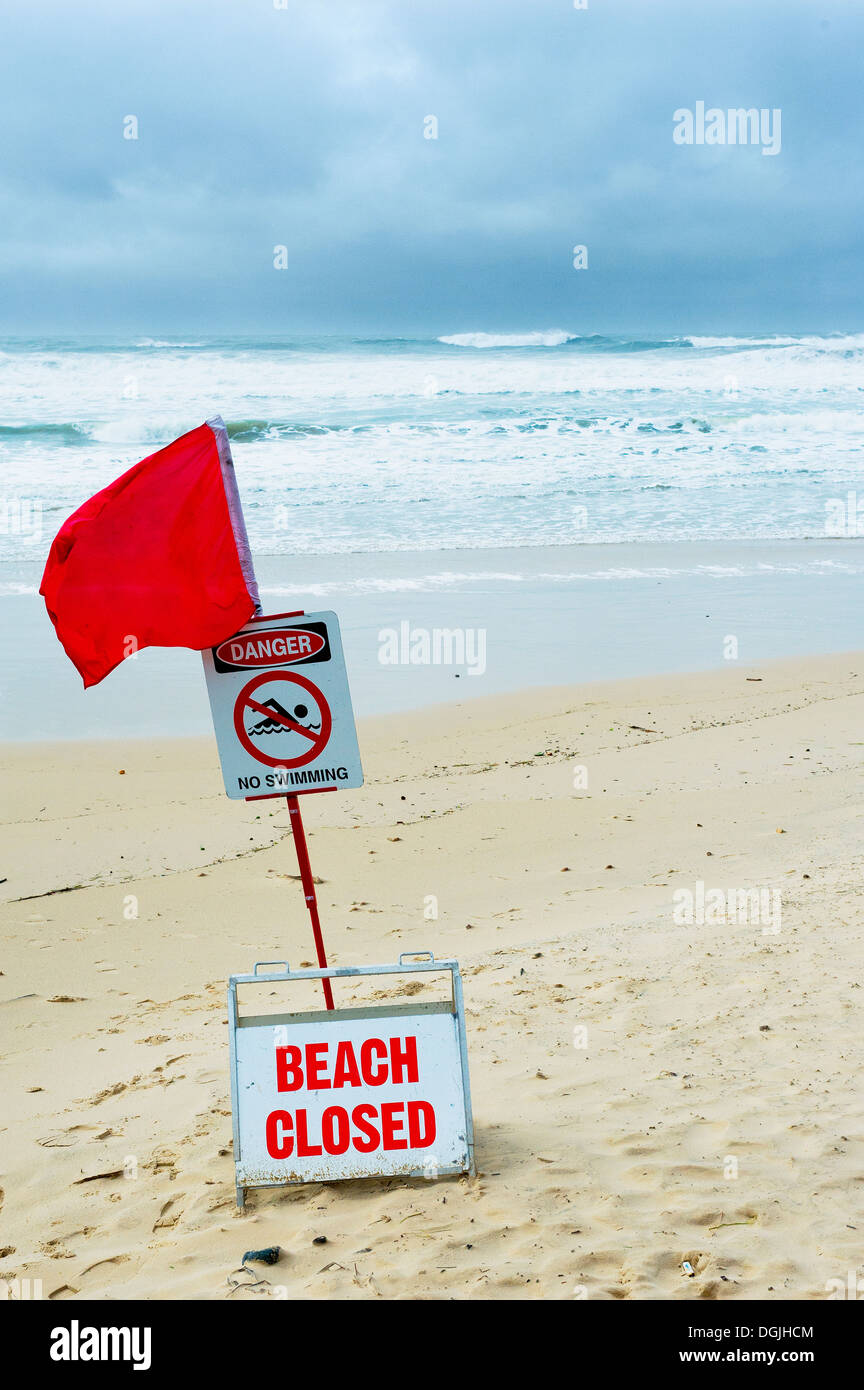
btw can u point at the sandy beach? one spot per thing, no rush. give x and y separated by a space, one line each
710 1112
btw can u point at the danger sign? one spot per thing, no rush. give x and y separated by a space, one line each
350 1093
281 729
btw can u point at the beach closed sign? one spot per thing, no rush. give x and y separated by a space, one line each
350 1093
282 708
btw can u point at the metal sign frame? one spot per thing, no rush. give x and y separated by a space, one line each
425 965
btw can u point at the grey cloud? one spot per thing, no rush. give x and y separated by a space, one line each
304 127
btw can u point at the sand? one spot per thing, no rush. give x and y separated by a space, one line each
714 1115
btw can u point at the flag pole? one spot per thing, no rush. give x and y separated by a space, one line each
308 888
238 524
235 510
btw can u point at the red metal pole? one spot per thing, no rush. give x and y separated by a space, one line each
309 888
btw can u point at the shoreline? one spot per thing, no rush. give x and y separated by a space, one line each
545 696
523 618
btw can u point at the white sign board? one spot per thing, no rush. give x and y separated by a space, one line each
282 708
353 1093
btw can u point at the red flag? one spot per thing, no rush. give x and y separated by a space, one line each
159 558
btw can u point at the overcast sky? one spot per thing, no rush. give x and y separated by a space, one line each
303 126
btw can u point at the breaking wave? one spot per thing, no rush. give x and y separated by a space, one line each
552 337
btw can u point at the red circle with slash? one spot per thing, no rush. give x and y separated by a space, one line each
318 741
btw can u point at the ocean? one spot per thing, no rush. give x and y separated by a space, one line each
588 490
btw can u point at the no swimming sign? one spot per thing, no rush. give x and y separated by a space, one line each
282 708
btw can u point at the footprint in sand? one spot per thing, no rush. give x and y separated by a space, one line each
108 1260
170 1213
56 1249
64 1138
115 1090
